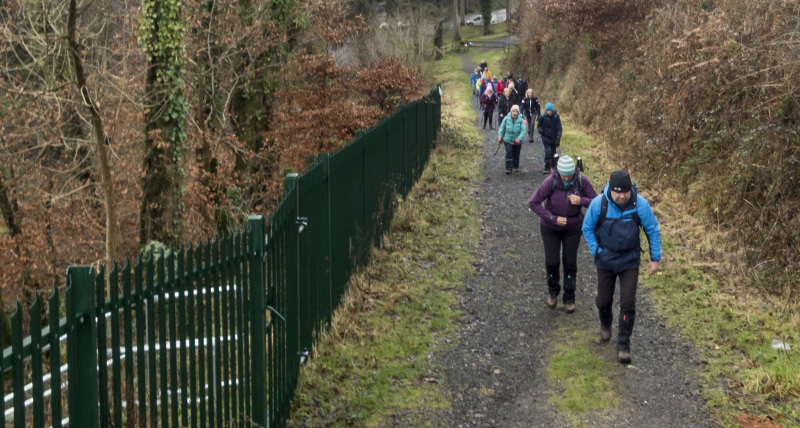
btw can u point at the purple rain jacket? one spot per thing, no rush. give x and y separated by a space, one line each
557 202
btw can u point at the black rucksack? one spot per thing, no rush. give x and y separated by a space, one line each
578 170
635 216
578 183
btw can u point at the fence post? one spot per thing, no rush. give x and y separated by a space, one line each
292 182
258 326
82 347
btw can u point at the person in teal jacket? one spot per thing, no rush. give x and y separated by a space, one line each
611 229
511 132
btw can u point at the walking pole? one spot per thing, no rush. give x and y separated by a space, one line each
498 148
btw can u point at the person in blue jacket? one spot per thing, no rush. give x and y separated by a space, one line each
611 229
512 132
473 80
550 130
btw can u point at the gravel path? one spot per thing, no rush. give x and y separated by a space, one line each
496 371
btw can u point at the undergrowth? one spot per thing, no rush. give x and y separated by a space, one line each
372 367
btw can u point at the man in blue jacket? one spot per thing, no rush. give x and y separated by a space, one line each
611 229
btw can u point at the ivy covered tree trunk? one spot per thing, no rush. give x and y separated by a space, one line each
486 13
161 34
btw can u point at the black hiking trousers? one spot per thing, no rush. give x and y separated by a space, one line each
606 283
561 246
487 117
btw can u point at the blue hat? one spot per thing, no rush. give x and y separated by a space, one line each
549 106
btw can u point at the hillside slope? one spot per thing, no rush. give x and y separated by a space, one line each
699 96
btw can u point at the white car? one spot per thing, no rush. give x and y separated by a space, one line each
478 20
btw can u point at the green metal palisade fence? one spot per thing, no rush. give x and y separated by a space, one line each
214 333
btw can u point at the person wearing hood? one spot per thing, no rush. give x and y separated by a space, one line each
511 133
488 101
564 193
611 229
550 131
484 65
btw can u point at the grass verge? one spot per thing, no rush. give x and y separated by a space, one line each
371 368
577 376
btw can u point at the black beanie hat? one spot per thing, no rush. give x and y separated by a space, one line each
620 181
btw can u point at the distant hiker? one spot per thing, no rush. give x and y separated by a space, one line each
550 130
611 229
513 97
511 132
501 86
484 65
488 101
484 83
521 85
503 105
564 193
473 80
530 109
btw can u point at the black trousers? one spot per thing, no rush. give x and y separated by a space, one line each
549 151
512 155
606 283
487 115
561 247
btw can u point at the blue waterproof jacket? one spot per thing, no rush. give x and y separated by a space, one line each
550 129
615 244
473 80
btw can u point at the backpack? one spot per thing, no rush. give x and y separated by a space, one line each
579 183
634 216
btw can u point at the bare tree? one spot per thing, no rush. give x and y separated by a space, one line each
106 183
456 35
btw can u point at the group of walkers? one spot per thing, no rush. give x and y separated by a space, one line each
506 94
611 222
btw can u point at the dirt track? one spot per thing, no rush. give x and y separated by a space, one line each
496 373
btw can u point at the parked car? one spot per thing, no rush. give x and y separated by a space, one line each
478 20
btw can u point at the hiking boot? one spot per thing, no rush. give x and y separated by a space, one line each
546 171
605 333
551 301
516 169
624 356
569 307
508 172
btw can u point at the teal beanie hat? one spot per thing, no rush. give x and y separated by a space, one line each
566 166
549 106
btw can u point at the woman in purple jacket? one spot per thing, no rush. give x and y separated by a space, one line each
564 193
488 101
